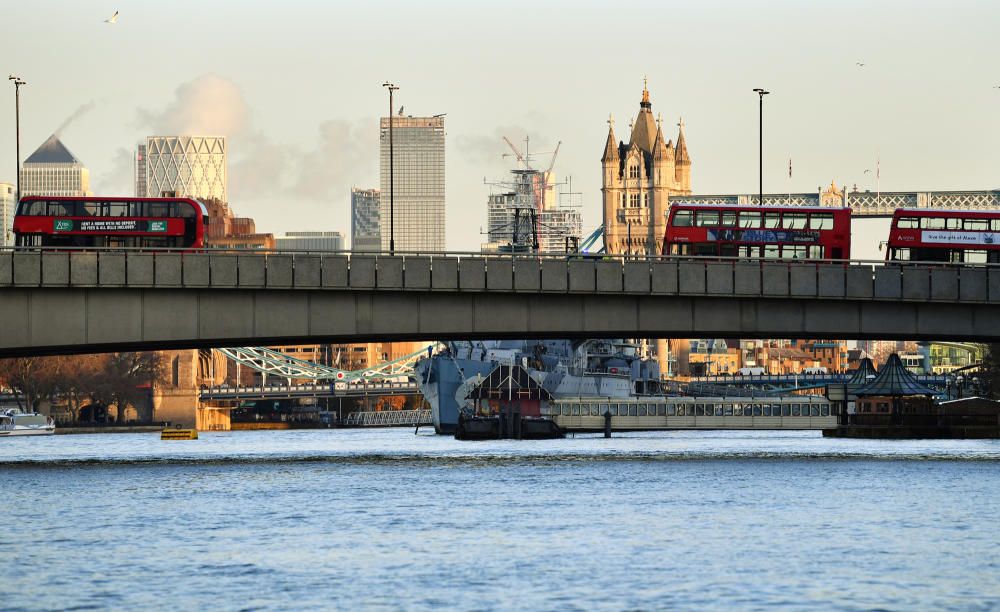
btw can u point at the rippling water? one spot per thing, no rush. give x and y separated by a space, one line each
387 519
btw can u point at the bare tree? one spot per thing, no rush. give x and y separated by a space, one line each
126 378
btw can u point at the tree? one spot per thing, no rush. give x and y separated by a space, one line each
34 378
125 378
80 374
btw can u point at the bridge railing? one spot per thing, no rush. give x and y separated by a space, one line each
479 272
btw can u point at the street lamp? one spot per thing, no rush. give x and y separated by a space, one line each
761 93
392 184
18 81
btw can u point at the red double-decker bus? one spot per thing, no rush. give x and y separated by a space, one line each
958 236
769 232
90 222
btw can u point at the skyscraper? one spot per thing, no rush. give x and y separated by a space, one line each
7 206
193 166
365 220
418 217
53 171
140 171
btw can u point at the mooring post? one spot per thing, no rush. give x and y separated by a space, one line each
607 423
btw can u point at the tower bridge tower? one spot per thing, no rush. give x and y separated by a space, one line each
638 179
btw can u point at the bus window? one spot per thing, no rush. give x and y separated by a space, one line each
728 218
159 209
954 256
975 256
680 249
682 218
794 220
995 225
60 209
772 220
821 221
749 219
727 249
899 254
815 251
116 209
185 210
703 249
707 218
750 251
977 225
908 223
771 251
793 251
932 223
953 223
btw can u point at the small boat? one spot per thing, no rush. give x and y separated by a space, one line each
15 422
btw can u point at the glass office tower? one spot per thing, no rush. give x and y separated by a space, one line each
418 143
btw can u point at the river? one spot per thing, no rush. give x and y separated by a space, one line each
385 519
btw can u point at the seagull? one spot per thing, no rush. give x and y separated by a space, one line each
858 63
113 19
868 171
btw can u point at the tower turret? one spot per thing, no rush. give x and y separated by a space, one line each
682 162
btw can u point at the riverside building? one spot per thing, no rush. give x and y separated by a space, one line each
418 169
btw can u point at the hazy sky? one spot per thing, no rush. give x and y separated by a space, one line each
296 88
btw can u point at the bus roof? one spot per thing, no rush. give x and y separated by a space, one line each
944 212
780 207
33 198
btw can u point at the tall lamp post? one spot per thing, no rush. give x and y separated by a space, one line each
761 93
392 184
18 81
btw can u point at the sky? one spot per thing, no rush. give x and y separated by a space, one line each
296 89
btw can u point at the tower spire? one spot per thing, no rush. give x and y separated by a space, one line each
645 94
682 151
611 146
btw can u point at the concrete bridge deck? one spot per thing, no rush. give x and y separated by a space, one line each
74 302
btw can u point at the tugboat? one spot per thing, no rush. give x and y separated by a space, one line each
15 422
506 404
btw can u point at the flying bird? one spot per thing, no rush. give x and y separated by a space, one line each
112 19
867 171
858 63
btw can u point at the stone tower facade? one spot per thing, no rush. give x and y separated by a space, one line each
638 179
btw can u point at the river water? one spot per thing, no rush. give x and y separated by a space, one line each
385 519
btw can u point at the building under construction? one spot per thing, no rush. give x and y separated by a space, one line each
526 214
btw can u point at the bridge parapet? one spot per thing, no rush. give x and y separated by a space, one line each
476 272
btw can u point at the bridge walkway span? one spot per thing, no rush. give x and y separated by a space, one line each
75 302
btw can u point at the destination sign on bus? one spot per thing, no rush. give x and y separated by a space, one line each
108 225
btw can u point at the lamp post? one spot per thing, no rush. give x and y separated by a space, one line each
392 184
761 93
18 81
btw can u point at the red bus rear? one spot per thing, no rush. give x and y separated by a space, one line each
751 232
93 222
958 236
